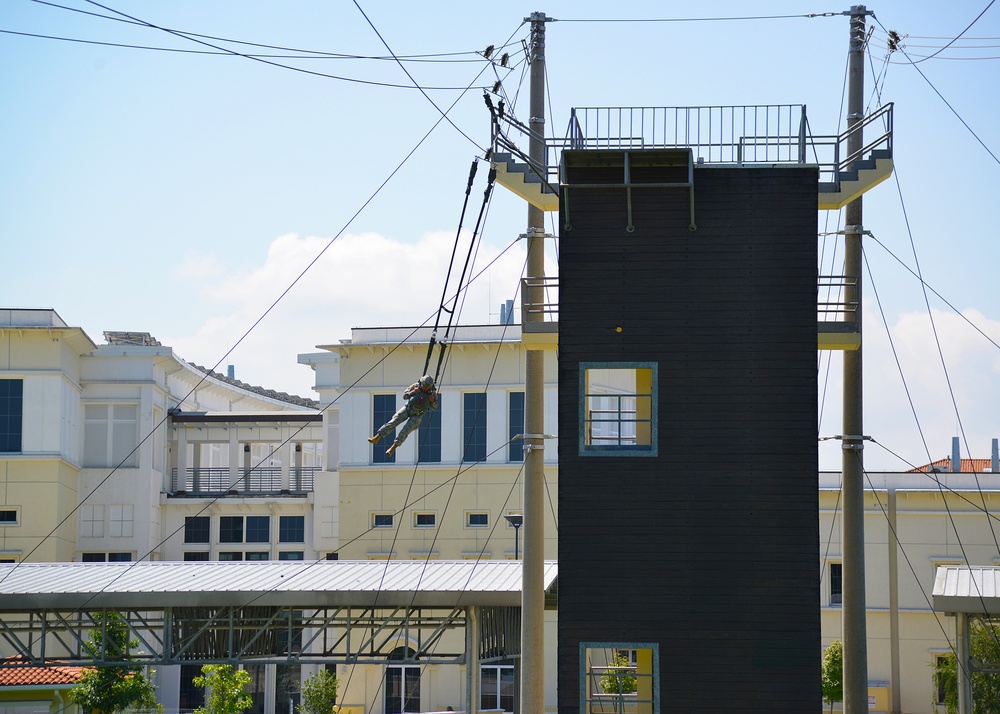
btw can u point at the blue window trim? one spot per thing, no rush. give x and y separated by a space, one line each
429 436
584 646
591 450
474 427
382 413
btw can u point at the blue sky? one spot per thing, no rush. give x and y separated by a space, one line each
181 194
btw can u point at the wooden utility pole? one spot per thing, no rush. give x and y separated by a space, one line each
532 669
855 629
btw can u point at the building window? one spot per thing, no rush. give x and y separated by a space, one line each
383 407
110 436
92 521
477 520
618 408
381 520
402 683
292 529
191 697
231 529
429 436
230 556
941 684
611 680
424 520
836 584
257 555
291 555
197 529
11 415
496 687
515 426
197 556
106 557
120 520
8 517
474 426
258 529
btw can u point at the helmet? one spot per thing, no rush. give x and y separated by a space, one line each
426 381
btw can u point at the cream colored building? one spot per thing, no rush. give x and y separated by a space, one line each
914 522
447 491
124 452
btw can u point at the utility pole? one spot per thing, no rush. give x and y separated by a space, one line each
532 669
855 629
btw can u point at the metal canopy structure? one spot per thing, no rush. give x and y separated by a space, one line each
347 612
967 592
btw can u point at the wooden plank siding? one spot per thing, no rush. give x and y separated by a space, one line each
710 548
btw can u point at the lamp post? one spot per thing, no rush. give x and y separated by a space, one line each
515 519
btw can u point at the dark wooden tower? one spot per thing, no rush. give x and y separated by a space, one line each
688 524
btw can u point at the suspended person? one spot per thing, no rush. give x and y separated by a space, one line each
418 398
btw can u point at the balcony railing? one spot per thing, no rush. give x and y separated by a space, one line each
259 481
751 134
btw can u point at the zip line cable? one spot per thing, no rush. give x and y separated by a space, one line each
937 342
944 500
909 564
252 327
216 499
936 293
450 495
444 114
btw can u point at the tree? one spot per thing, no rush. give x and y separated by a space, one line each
618 677
319 693
985 651
227 689
106 689
833 673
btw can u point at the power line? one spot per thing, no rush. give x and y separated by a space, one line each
988 6
699 19
474 56
247 56
227 53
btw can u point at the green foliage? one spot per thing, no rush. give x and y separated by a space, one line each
833 673
319 693
946 678
227 689
985 650
113 688
618 678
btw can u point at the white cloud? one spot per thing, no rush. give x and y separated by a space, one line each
953 392
360 280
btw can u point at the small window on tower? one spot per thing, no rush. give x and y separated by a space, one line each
618 409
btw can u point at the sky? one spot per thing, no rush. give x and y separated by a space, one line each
253 206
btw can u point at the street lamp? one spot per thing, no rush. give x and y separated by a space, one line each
515 519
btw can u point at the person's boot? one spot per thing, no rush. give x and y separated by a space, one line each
374 439
391 450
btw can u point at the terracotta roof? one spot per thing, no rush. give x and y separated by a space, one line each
13 675
967 466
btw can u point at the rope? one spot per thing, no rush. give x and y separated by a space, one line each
449 305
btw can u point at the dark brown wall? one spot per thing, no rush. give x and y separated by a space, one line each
711 548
